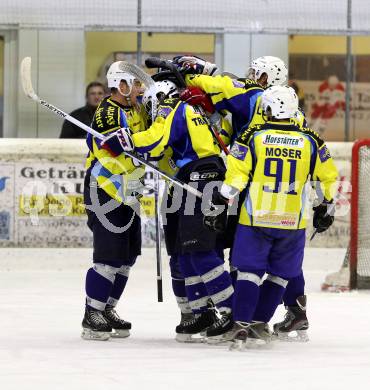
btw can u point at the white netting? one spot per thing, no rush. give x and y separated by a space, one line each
189 15
363 246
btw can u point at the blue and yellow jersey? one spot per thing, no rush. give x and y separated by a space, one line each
111 172
275 161
181 131
239 97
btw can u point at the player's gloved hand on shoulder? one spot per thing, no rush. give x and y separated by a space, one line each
216 219
197 97
323 216
194 65
118 142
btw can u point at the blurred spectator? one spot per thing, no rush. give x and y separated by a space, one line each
299 91
94 93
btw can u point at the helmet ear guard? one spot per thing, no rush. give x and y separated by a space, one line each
280 102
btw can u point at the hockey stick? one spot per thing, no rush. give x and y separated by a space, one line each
329 211
158 243
29 91
150 85
156 62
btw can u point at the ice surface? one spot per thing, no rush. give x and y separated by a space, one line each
42 299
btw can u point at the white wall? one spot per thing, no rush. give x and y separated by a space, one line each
239 49
58 74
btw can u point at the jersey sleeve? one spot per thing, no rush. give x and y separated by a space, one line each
226 131
217 87
239 166
325 172
151 140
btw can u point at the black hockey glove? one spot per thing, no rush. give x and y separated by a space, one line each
194 65
323 216
216 220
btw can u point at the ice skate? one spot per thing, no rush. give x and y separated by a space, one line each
190 331
95 326
239 336
259 334
185 317
120 327
295 324
220 331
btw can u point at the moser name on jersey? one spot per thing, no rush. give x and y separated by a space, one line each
269 139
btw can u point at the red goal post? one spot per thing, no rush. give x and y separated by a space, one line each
360 216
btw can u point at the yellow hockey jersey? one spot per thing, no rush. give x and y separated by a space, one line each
181 131
113 173
237 96
275 161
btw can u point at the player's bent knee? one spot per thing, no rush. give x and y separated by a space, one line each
107 271
277 280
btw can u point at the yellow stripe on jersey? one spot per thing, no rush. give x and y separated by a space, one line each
113 173
181 128
275 161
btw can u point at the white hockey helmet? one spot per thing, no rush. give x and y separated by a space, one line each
163 90
115 75
274 67
280 102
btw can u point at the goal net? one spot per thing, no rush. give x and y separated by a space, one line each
360 216
355 271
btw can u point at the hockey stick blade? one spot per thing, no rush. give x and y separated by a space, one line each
137 72
26 78
156 62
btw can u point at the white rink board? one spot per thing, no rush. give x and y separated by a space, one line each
57 165
40 346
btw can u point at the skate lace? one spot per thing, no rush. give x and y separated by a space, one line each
112 314
97 317
190 321
221 321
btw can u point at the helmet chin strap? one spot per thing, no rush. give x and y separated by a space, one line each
126 95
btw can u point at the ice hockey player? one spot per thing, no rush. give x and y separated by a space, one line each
274 161
112 182
266 71
182 129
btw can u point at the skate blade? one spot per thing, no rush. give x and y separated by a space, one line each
189 338
88 334
120 333
296 336
221 339
238 345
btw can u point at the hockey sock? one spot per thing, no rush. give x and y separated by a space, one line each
246 294
99 283
271 293
178 286
217 281
196 291
119 284
179 290
233 275
294 289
